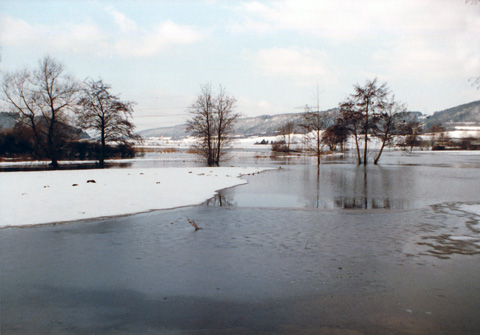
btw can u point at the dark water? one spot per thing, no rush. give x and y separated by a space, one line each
392 249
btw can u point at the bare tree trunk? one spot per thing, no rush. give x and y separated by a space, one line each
359 157
101 161
384 140
366 135
219 137
375 162
319 150
51 147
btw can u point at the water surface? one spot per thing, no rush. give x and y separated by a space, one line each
401 181
390 249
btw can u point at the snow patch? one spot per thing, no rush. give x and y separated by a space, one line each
471 208
28 198
462 238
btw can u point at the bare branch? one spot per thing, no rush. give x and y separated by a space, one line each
192 222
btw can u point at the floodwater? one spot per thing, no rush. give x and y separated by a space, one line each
389 249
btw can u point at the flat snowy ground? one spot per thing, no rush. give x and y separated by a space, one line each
28 198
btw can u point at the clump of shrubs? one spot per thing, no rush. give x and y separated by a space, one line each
18 143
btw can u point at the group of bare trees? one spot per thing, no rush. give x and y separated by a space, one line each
53 105
371 111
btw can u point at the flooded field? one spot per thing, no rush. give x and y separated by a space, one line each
389 249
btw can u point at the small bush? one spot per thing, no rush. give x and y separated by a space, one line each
279 146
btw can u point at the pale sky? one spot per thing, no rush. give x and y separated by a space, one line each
270 55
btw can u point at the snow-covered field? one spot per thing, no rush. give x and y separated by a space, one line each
252 142
28 198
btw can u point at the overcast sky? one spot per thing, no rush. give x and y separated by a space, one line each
268 54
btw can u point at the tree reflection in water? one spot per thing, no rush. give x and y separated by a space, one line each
221 200
361 197
365 188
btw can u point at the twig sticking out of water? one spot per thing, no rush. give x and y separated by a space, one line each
192 222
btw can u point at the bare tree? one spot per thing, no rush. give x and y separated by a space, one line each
438 128
314 124
225 121
439 136
286 131
387 122
201 125
106 114
351 120
361 111
44 98
212 123
412 130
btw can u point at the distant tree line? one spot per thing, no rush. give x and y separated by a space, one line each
370 112
52 111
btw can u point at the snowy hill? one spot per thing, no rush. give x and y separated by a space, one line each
267 125
7 120
452 118
264 125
